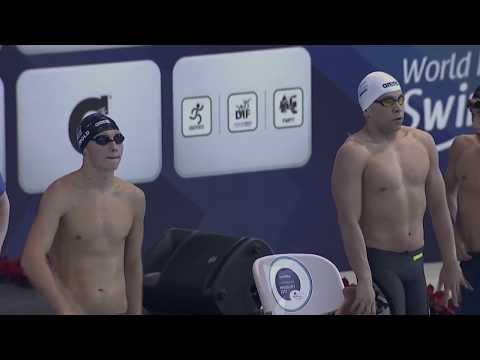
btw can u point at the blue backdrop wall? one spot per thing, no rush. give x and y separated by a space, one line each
291 208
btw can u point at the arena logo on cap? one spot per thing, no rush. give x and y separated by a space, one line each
100 123
390 84
436 93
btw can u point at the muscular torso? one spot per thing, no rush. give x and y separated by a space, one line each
467 172
87 255
393 193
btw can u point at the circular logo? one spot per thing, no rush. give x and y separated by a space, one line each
291 283
287 283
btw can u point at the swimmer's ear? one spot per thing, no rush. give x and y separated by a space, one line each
366 114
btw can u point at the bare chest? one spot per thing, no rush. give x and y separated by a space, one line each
98 222
400 165
468 169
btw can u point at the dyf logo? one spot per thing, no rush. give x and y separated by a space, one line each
243 110
83 108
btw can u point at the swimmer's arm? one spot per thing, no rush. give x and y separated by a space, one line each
452 185
347 193
437 204
4 217
40 239
133 258
451 180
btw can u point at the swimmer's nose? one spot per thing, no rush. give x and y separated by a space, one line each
114 147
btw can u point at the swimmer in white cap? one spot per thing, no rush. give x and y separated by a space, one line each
384 177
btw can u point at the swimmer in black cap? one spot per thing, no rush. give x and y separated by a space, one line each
463 195
83 252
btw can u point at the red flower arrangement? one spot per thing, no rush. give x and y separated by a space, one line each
435 300
11 272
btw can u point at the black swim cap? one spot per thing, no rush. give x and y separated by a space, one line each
92 125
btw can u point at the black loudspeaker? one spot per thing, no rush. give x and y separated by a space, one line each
205 274
155 259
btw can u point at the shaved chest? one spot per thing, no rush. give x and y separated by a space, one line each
392 167
98 222
468 169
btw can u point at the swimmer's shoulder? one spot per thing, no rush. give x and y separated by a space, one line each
421 136
354 148
132 192
64 184
356 142
60 193
459 143
418 134
462 141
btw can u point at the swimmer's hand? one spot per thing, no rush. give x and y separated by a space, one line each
462 254
349 295
451 279
364 300
71 310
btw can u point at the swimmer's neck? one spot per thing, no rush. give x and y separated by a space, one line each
476 124
97 179
380 137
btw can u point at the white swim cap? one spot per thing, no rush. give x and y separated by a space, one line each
375 85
